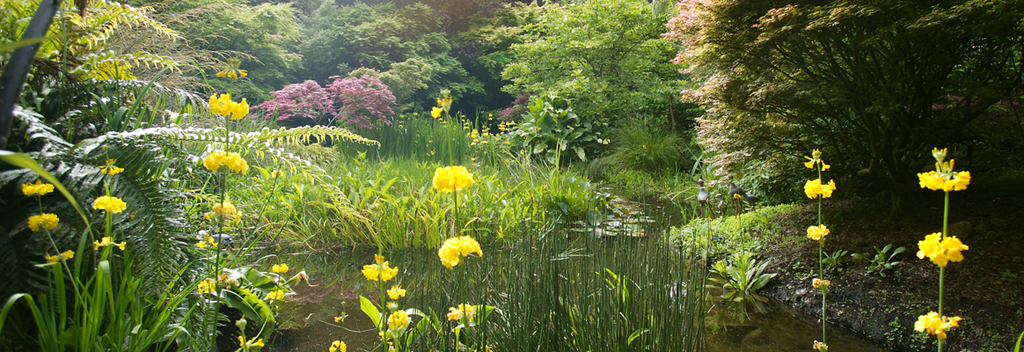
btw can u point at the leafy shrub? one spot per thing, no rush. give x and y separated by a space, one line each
550 129
352 101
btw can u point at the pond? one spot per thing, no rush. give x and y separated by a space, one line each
579 260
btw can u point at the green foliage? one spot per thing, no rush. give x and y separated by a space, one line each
739 282
554 133
639 145
748 232
782 79
835 260
882 260
607 57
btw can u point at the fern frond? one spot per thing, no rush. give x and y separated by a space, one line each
108 65
37 130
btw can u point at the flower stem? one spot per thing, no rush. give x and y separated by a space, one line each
942 270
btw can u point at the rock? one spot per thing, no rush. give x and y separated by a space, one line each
961 229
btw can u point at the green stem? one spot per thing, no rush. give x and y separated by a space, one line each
823 295
942 270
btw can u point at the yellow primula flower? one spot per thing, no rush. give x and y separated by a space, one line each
253 342
380 270
52 258
814 188
398 320
279 268
206 286
219 158
817 232
67 255
436 112
940 250
338 346
815 158
456 248
275 295
819 283
107 241
452 178
111 204
110 169
935 325
396 292
464 311
944 178
38 188
45 220
221 104
820 346
226 210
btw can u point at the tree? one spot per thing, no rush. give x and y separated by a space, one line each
605 56
353 101
876 83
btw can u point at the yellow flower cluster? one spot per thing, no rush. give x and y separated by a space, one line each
107 241
338 346
445 102
819 283
814 188
940 250
206 286
820 346
944 178
463 311
396 292
452 178
815 158
935 325
398 320
253 342
221 104
111 204
110 169
38 188
47 220
436 112
456 248
379 271
226 209
279 268
233 161
817 232
55 258
275 295
231 69
207 241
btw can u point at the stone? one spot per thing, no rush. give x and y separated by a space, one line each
961 230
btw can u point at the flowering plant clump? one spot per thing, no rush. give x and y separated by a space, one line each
456 248
933 324
351 101
47 220
338 346
110 204
452 178
940 250
379 270
814 188
38 188
221 104
233 161
398 321
224 209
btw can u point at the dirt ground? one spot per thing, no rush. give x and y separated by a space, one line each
986 289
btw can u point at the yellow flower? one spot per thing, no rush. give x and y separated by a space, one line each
120 245
207 241
279 268
396 292
338 319
935 325
944 178
452 178
819 283
38 188
456 248
817 232
464 311
231 69
219 158
67 255
815 158
110 169
206 286
253 342
52 259
225 209
55 258
380 270
737 196
436 112
201 245
809 164
820 346
338 346
107 241
111 204
940 250
814 188
275 295
221 104
398 320
47 220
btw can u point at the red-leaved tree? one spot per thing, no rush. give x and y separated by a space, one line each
357 102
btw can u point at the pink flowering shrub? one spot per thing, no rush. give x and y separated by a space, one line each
357 102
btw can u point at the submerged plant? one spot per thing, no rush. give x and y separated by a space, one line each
939 247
